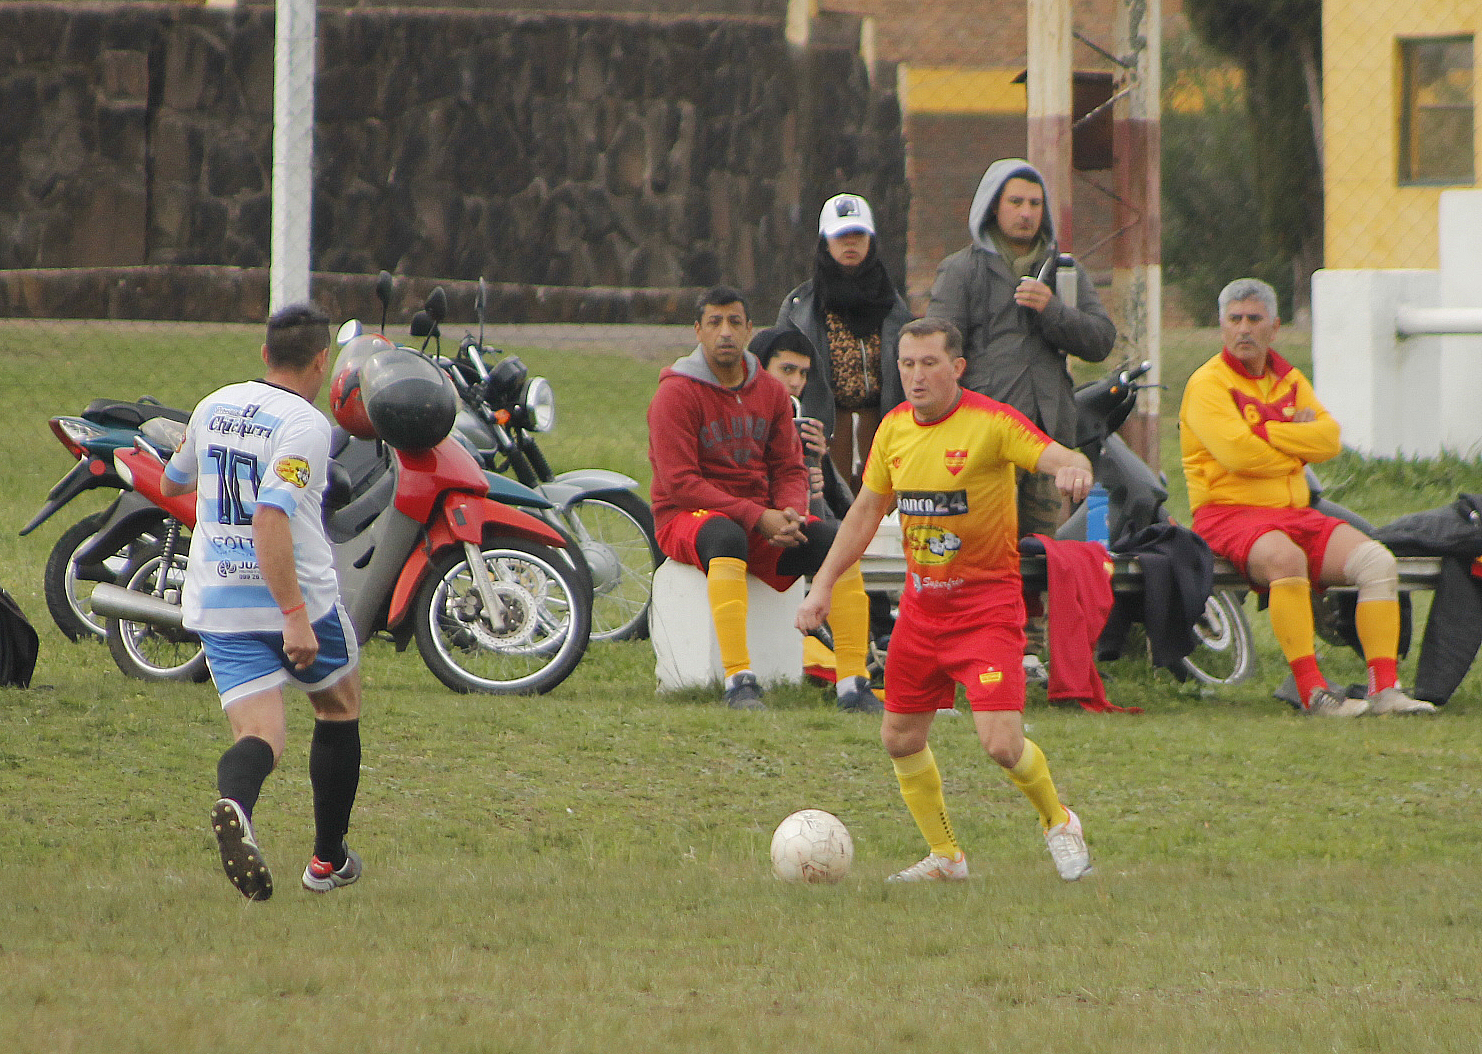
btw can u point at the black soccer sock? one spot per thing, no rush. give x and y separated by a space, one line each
242 770
334 771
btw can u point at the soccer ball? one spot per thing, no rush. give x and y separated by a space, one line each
811 846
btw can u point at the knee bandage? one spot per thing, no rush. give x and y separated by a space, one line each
1371 567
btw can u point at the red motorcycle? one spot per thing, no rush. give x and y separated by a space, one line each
494 597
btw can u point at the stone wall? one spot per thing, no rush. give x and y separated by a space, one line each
533 149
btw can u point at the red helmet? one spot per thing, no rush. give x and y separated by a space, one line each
345 398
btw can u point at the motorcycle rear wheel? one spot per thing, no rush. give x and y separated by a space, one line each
66 585
528 645
147 652
1226 653
616 535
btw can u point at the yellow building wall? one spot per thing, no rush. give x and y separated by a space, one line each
1371 221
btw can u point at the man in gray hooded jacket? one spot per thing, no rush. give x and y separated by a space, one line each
1016 331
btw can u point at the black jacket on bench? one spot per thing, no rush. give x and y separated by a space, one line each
1453 633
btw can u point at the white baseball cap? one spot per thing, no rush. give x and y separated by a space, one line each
843 213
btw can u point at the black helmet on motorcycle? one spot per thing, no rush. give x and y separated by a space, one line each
410 402
345 395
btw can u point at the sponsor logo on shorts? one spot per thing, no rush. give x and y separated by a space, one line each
293 469
931 545
932 502
990 676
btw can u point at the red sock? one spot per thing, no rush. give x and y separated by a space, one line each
1382 675
1308 677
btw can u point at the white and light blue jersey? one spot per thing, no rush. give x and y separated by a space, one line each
247 444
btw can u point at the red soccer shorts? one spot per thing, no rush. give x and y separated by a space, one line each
1231 530
978 644
677 541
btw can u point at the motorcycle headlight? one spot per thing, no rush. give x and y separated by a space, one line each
504 383
540 405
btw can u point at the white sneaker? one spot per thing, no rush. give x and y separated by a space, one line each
1324 702
934 869
1395 701
1068 848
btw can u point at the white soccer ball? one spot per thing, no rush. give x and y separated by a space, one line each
811 846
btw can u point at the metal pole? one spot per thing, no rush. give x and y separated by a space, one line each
1137 254
293 151
1049 87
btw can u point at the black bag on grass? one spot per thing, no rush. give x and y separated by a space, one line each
18 644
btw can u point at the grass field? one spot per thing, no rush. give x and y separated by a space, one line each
587 871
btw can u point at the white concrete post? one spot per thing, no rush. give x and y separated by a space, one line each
293 152
1459 379
1397 355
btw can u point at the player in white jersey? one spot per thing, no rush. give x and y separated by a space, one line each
262 593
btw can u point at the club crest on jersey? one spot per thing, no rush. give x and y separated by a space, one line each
955 459
293 469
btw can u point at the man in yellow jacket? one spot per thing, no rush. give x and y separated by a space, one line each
1249 426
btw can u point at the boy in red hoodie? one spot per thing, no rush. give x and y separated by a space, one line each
728 486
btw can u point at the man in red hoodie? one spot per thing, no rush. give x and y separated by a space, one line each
730 495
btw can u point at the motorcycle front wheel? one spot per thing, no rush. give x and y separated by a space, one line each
149 652
68 586
525 643
616 535
1226 653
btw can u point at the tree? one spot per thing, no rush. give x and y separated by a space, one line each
1278 46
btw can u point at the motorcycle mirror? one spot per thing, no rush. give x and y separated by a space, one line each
483 294
437 305
423 325
349 331
383 294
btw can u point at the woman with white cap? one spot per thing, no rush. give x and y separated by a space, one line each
852 313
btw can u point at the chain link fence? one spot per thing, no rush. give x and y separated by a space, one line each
1257 177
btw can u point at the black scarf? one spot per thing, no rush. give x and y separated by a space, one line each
862 299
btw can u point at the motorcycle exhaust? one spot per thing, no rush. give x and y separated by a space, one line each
113 601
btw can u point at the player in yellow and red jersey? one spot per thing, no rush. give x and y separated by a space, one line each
1249 426
946 458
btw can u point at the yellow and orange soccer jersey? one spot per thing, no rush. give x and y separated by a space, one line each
954 485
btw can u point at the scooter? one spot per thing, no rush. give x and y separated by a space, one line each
502 409
422 551
104 426
1135 499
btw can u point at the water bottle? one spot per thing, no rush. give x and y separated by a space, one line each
1096 530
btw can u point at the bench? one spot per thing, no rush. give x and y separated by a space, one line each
887 572
884 568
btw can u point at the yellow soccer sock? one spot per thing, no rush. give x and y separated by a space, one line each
1032 776
921 787
726 583
1291 617
1291 622
1378 626
849 618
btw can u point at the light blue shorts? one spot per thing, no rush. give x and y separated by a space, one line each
244 664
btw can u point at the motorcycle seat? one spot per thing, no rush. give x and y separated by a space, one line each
118 413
